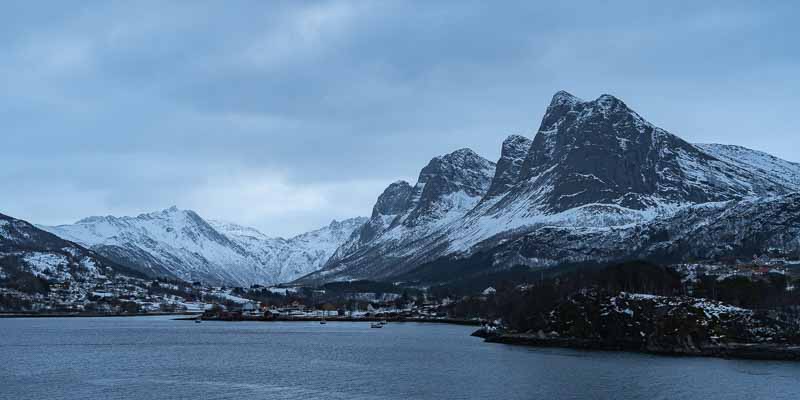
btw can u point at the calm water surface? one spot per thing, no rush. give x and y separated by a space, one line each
158 358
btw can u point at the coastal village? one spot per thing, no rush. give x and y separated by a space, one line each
133 296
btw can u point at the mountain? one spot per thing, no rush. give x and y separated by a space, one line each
403 216
181 244
32 259
288 259
597 182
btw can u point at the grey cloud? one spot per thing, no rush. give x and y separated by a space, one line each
120 107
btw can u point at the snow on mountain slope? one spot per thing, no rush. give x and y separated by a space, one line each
766 165
27 251
594 169
181 244
599 165
404 216
708 231
291 258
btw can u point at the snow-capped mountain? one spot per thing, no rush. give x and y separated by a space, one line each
180 244
597 182
447 188
288 259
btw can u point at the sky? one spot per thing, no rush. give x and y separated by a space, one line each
286 115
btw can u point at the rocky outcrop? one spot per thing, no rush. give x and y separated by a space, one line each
660 325
512 156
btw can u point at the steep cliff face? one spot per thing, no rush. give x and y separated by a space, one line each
602 152
509 168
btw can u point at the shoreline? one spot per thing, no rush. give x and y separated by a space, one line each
451 321
87 315
742 351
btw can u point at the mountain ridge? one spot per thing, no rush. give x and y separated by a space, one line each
181 244
593 167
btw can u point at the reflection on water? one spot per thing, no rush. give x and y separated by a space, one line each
155 357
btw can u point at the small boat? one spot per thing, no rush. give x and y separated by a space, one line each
198 320
384 322
376 325
322 322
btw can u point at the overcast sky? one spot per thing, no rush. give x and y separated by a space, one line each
285 115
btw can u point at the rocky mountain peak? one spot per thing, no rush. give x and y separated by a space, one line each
460 159
460 173
512 155
346 224
394 199
593 176
461 169
608 101
601 151
564 98
94 219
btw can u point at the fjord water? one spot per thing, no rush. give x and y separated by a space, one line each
157 358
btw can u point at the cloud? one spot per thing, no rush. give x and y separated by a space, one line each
300 35
284 115
253 197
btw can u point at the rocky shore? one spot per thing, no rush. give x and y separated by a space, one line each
678 326
753 351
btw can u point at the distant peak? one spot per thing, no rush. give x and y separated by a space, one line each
348 221
167 212
564 98
93 219
464 158
609 101
462 152
400 182
464 155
